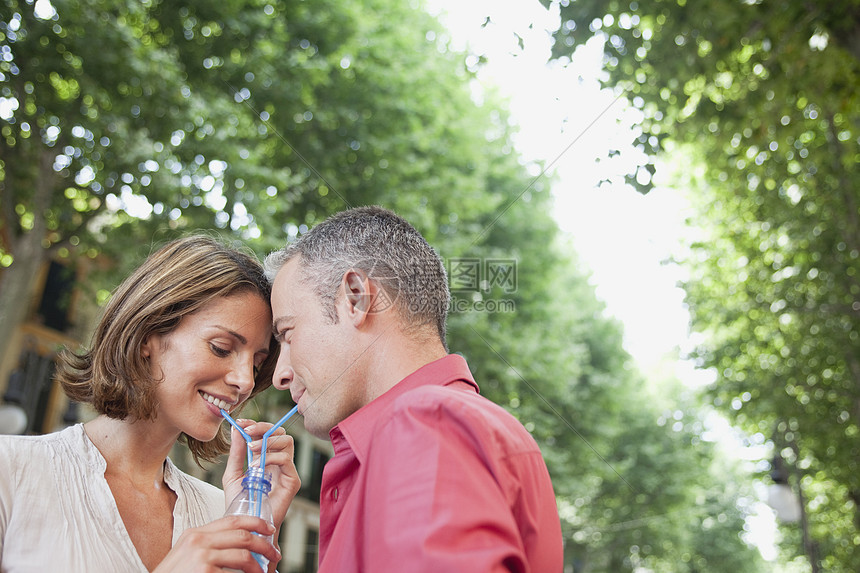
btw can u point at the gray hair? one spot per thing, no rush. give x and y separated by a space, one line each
388 249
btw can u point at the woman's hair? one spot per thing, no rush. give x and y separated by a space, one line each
176 280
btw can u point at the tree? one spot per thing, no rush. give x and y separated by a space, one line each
103 131
257 119
636 486
761 97
124 122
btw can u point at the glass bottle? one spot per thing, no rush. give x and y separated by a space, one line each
254 500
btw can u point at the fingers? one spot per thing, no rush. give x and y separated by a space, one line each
278 442
237 533
237 456
278 439
233 523
257 429
225 543
243 560
280 453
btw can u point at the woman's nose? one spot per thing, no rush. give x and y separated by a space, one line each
242 377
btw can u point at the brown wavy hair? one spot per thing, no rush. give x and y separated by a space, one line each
176 280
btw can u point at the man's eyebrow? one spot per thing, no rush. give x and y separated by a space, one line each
277 323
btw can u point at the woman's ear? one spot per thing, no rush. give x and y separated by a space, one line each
146 348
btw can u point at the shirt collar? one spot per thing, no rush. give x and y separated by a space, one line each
358 428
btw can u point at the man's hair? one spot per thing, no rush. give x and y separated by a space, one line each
388 249
176 280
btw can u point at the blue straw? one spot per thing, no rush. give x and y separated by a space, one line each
242 431
268 433
265 438
248 439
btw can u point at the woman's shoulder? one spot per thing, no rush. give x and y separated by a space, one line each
35 457
40 444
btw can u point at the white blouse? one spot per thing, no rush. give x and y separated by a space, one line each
57 512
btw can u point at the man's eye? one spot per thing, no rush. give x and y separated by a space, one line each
218 351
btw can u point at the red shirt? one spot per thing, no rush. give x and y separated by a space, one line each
432 477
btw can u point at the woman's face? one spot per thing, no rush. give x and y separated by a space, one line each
208 362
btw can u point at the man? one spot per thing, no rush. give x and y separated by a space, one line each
427 474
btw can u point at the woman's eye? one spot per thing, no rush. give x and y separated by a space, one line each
218 351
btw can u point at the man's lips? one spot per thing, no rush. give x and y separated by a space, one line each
297 395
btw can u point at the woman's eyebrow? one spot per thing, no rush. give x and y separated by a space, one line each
233 333
240 338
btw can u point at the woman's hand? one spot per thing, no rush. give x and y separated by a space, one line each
280 452
223 545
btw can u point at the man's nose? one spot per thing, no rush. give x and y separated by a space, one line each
283 374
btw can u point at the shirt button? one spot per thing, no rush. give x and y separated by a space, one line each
334 494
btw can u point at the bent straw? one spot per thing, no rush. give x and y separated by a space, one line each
265 439
269 432
242 431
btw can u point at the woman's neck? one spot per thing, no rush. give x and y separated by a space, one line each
133 449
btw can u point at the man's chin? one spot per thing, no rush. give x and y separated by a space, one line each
317 430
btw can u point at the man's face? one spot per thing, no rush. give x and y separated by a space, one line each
318 362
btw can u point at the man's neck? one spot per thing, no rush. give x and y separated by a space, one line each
396 358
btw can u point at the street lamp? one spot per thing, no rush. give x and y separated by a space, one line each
790 505
13 419
780 495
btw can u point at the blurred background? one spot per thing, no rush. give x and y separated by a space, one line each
648 212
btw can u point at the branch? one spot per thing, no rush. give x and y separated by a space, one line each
7 204
845 188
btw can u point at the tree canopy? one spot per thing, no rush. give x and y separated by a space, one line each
124 123
761 100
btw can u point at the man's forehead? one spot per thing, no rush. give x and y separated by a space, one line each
290 292
289 269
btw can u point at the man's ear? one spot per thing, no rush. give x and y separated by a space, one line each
360 292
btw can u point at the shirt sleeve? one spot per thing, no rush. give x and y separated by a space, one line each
438 496
7 487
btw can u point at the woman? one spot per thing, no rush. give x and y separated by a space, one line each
188 333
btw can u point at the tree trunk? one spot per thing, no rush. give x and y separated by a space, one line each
18 281
16 289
